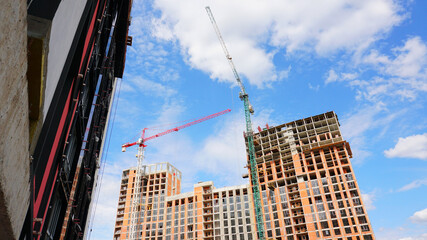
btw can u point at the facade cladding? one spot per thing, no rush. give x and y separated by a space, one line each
308 187
76 51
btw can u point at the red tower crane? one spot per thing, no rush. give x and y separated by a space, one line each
141 149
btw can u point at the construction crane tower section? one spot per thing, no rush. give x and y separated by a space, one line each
249 133
136 198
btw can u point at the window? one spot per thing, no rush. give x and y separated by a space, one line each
53 220
345 222
324 225
365 228
326 233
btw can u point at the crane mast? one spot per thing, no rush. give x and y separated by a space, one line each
140 172
249 133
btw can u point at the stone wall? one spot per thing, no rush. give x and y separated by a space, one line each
14 123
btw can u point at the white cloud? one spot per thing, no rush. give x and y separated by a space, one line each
419 216
147 87
314 88
412 232
356 126
409 61
332 76
402 75
413 185
368 200
339 77
414 146
419 237
281 26
146 54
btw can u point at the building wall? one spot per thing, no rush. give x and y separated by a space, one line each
160 180
308 187
14 123
210 213
63 29
206 213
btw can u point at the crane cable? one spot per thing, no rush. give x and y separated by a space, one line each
103 160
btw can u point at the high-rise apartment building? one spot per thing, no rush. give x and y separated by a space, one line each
206 213
308 186
159 181
307 183
210 213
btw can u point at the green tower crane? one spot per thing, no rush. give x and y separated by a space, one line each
249 133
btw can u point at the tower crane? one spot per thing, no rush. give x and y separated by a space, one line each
139 172
249 133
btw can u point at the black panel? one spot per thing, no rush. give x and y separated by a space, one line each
102 64
43 8
122 25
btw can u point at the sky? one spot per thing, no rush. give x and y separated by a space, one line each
364 59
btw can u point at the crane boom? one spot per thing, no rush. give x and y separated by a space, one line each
249 133
136 198
175 129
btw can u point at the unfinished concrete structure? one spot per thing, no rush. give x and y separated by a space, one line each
309 190
14 119
159 181
206 213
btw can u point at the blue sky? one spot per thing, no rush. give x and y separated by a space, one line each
364 59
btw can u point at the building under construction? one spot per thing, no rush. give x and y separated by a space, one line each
308 191
308 186
159 182
59 63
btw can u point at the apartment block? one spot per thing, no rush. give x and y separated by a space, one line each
206 213
308 186
159 181
211 214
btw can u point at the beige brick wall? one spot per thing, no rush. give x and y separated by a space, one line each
14 133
